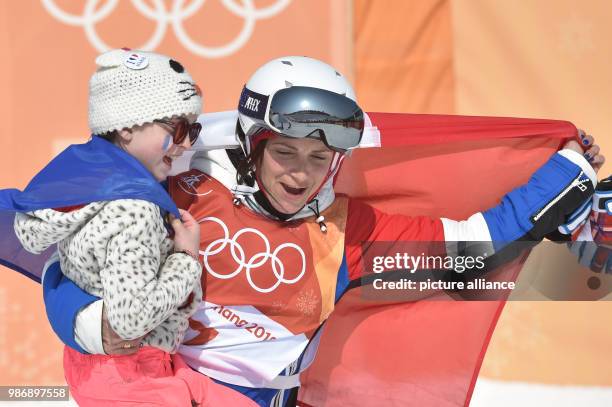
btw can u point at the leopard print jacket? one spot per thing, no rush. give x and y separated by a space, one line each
119 251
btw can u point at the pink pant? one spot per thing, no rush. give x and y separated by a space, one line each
150 377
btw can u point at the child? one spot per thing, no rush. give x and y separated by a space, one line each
141 111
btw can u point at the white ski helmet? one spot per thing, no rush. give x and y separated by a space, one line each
287 72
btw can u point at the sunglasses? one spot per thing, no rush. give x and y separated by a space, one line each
181 128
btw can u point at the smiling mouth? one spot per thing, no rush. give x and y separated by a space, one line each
293 191
168 160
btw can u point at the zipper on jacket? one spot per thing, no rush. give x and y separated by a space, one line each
575 182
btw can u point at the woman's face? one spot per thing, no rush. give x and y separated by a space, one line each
291 170
152 145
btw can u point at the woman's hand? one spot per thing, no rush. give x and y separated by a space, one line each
186 233
588 148
112 343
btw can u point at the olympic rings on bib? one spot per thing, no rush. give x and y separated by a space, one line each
257 260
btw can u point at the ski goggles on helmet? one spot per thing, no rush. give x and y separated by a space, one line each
181 129
300 111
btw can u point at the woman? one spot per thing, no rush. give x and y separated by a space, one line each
279 248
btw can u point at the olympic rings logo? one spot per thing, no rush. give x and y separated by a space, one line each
164 17
256 261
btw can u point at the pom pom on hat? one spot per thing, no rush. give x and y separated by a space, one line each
132 88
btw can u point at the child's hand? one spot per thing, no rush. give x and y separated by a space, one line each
587 147
186 233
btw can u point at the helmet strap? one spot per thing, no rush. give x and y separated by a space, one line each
333 166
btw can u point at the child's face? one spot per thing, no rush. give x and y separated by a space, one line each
152 145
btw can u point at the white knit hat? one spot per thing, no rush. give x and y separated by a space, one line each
132 88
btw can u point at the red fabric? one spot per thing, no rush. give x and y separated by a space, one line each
424 353
368 224
400 129
67 209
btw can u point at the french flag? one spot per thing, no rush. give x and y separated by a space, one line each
426 353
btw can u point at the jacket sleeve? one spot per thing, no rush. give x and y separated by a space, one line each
531 211
564 183
141 290
63 302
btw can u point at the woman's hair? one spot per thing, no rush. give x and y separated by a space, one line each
111 136
245 170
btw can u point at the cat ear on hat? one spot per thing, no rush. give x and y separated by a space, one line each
130 59
111 58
